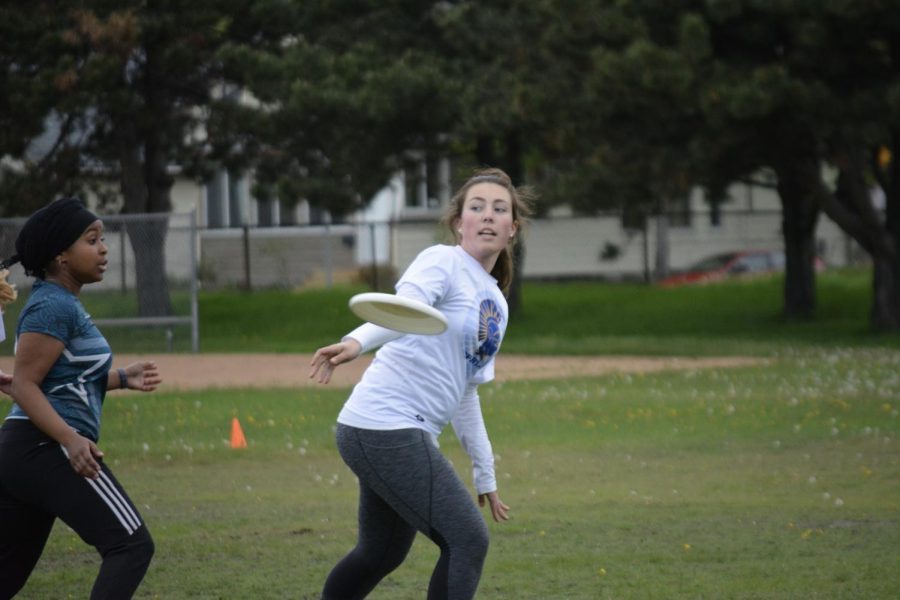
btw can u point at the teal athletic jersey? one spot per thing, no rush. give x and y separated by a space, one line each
76 383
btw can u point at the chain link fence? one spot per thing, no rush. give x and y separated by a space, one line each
148 299
598 247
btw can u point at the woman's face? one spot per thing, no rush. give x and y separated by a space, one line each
86 258
486 224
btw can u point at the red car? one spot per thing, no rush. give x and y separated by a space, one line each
729 264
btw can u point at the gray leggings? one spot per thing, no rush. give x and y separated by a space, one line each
405 485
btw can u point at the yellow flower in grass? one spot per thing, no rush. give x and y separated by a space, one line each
686 547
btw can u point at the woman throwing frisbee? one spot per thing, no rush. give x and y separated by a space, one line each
416 385
50 465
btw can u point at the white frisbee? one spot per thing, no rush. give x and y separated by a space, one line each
398 313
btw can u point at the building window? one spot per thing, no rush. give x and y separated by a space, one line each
217 201
267 213
226 200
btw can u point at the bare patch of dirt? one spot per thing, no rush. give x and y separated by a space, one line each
198 371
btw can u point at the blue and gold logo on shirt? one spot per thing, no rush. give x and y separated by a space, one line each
489 334
489 318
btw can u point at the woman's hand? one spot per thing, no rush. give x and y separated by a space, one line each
83 454
143 376
6 383
498 509
326 359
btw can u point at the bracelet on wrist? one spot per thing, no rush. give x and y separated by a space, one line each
123 379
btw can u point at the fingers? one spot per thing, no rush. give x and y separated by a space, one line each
143 376
150 377
322 371
326 359
499 510
84 457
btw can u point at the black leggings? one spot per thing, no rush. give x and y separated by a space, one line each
37 485
405 485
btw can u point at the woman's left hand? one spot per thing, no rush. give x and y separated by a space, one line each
498 509
143 376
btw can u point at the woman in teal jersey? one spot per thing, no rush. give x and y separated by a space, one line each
50 464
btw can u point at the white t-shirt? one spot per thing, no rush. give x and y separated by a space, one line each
428 381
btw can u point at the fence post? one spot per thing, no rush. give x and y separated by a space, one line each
122 269
195 284
328 258
375 281
246 239
646 248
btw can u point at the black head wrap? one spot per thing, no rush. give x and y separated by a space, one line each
48 232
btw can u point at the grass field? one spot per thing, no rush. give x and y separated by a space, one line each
775 482
778 482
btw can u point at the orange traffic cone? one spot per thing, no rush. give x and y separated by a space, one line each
237 434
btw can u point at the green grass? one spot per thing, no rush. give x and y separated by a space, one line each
775 482
586 318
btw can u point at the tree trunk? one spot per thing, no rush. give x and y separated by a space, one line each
886 269
852 209
885 315
141 190
797 181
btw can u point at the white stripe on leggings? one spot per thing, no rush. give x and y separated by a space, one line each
129 512
110 495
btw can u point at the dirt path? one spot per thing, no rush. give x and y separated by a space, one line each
196 371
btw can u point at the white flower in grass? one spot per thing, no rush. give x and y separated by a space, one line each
290 445
812 479
838 502
302 451
317 477
826 496
146 447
